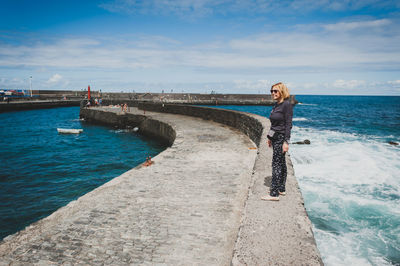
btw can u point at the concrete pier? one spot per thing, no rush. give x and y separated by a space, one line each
38 104
197 204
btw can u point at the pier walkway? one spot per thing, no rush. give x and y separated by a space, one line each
185 209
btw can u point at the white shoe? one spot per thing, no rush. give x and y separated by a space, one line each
270 198
282 193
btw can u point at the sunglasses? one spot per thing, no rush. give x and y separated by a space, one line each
274 91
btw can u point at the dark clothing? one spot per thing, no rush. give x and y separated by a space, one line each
279 169
281 118
281 122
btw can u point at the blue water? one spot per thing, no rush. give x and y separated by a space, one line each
42 170
349 175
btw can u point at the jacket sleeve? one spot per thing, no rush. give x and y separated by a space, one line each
288 113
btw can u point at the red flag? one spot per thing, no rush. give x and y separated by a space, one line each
88 92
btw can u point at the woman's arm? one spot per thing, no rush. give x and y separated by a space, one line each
288 113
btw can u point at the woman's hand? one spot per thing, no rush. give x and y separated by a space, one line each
269 143
285 147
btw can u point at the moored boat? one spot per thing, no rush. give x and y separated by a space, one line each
69 130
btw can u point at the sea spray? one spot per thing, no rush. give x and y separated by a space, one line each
349 175
352 192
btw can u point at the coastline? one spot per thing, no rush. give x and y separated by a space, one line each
67 213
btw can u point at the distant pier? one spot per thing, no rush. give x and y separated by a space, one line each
39 104
50 99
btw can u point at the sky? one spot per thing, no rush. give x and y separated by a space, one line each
325 47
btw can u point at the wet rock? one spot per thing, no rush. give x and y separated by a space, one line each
393 143
306 141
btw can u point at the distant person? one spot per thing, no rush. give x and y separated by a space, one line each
88 104
278 137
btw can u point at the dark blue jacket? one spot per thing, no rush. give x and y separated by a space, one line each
281 118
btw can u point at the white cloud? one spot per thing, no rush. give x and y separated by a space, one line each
348 84
394 82
347 26
293 51
245 63
14 83
310 85
54 79
345 87
202 8
164 7
54 82
252 85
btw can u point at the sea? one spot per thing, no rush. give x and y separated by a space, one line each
42 170
349 175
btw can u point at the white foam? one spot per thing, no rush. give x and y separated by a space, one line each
117 131
310 104
300 119
343 250
349 180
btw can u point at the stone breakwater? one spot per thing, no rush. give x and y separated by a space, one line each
53 98
198 204
191 98
40 104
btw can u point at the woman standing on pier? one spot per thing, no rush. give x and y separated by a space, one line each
278 137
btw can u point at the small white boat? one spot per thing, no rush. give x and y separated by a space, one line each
69 130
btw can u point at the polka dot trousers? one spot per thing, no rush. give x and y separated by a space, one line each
279 170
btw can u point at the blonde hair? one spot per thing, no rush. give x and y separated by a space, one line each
284 91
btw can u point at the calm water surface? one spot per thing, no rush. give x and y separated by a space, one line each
43 170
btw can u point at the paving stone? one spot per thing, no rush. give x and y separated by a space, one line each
185 209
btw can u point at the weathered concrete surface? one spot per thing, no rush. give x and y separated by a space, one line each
190 98
185 209
244 122
199 204
274 233
38 104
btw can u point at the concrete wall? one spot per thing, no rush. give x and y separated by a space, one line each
50 99
192 98
245 123
147 126
20 106
288 225
240 120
